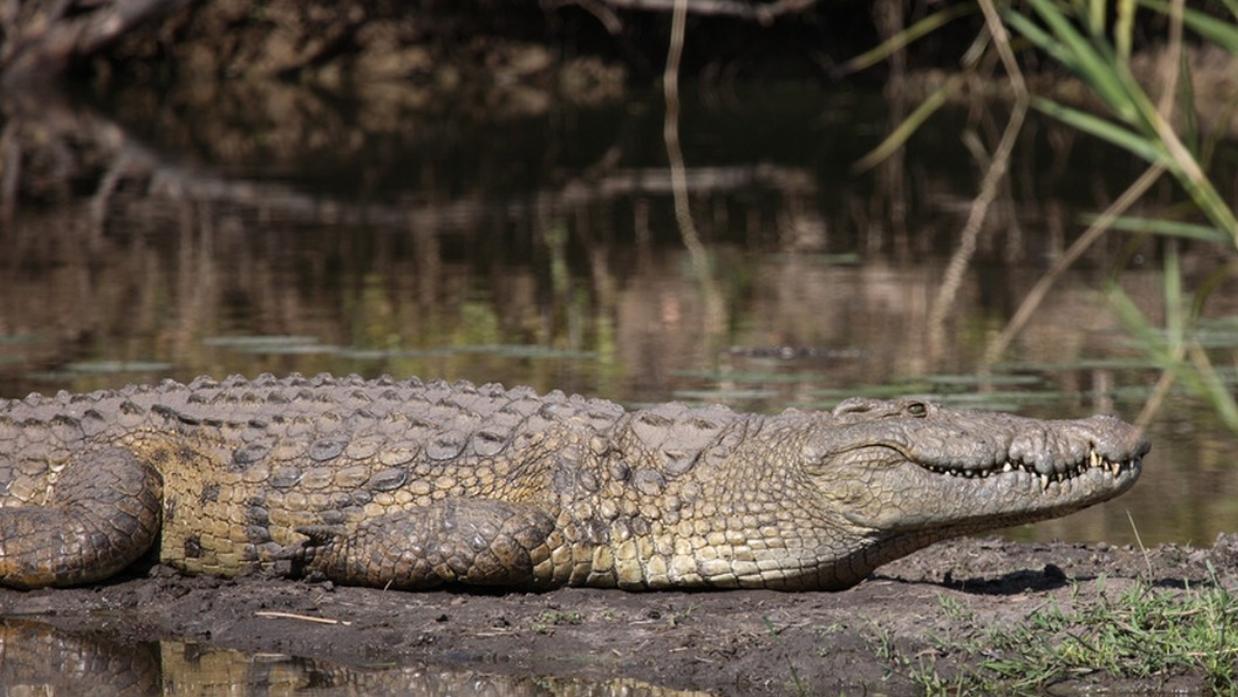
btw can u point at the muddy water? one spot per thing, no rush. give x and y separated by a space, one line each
37 659
270 229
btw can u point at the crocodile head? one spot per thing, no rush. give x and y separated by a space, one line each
905 473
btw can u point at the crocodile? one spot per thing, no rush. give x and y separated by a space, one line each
413 485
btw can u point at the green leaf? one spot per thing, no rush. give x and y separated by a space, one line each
1151 342
1147 148
905 37
900 135
1092 65
1096 17
1175 310
1040 38
1186 106
1220 32
1216 392
1123 28
1201 379
1166 228
1233 7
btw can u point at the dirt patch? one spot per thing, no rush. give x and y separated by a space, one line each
741 642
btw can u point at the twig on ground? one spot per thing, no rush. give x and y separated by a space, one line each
303 618
1147 560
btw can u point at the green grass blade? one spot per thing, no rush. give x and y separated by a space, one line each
1187 170
1096 17
1181 163
1116 86
1124 27
1092 64
1199 377
1218 31
1214 389
899 136
1150 341
905 37
1147 148
1175 310
1186 107
1040 38
1217 135
1165 228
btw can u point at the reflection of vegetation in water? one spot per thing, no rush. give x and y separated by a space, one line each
375 322
1180 348
38 659
576 278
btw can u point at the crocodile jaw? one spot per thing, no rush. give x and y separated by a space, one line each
945 472
963 501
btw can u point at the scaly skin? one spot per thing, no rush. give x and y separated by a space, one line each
412 485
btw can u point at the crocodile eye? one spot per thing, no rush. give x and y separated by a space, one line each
917 409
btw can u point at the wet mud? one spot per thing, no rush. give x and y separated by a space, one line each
727 643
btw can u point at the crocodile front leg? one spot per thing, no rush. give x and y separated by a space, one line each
103 513
479 542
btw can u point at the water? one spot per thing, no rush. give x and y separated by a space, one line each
277 230
37 659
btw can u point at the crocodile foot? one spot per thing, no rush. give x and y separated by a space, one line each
476 542
101 515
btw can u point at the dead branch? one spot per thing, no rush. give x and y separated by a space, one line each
164 178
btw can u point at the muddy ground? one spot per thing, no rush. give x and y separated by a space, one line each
735 642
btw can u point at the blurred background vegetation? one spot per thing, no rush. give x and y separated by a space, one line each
1023 205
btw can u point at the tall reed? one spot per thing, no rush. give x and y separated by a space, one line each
1093 40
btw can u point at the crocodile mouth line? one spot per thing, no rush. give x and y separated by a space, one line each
1093 461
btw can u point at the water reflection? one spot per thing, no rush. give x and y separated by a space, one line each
36 659
172 235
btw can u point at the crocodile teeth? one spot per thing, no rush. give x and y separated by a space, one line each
1068 473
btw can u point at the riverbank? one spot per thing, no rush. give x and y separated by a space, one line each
938 615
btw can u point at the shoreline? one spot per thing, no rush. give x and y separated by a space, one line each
875 636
